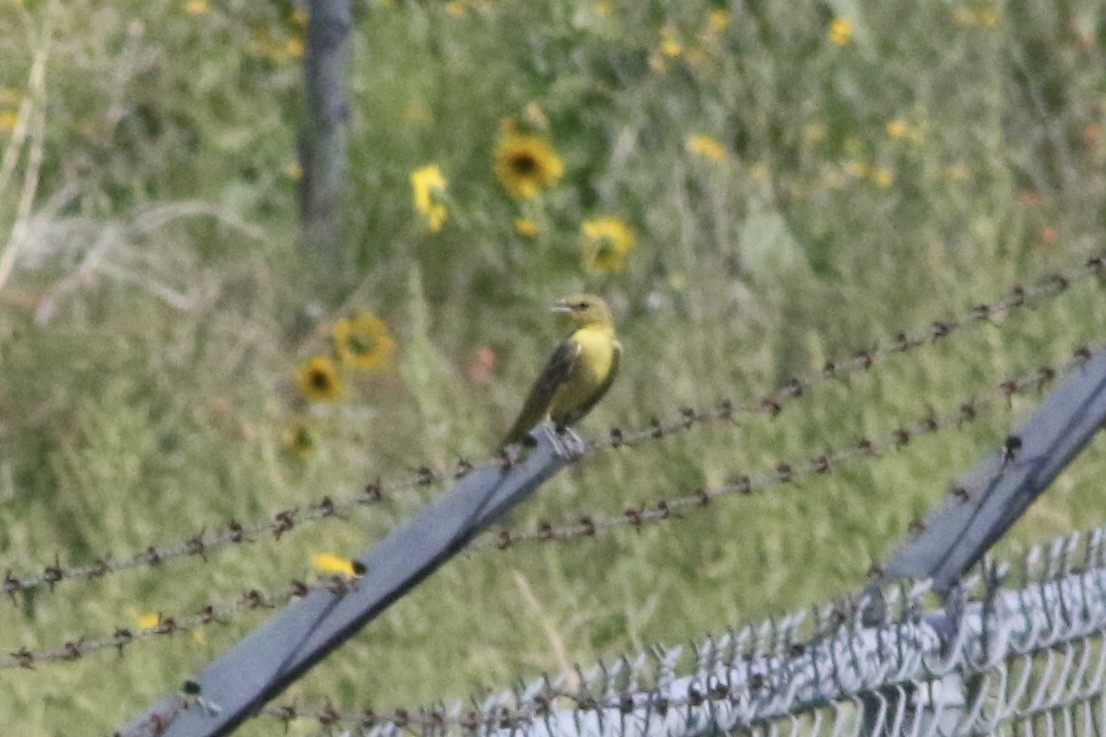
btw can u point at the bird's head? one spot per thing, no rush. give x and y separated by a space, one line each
585 310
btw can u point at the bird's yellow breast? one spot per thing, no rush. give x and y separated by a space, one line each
589 372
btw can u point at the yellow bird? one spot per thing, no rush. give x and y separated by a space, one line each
579 372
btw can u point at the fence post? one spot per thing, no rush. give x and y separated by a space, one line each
977 512
989 499
322 141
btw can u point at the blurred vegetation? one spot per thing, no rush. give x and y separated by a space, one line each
756 187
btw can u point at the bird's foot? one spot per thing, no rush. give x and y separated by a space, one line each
566 443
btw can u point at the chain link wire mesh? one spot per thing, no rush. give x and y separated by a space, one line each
994 660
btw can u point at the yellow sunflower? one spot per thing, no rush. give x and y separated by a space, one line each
526 227
605 243
526 164
840 32
318 379
363 341
428 184
707 147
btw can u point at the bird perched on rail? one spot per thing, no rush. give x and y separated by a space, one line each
578 374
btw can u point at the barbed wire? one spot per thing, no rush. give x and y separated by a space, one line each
772 403
276 526
588 525
866 448
430 719
123 637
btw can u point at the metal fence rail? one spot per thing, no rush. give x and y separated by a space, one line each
1011 661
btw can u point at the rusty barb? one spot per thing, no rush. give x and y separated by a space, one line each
279 524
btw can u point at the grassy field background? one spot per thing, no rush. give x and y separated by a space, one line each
802 181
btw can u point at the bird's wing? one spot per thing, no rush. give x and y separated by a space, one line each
583 409
537 404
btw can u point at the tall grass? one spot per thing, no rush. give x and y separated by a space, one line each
877 174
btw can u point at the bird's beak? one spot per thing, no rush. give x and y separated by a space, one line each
561 306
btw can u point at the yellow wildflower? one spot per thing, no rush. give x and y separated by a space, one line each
602 8
526 164
605 243
318 379
196 7
331 563
148 621
883 177
8 119
276 47
706 146
526 227
718 19
670 41
364 342
300 16
857 169
840 31
429 184
902 131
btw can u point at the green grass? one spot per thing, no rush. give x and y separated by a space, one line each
127 421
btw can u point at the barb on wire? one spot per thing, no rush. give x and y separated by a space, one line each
122 637
234 532
230 533
588 525
773 403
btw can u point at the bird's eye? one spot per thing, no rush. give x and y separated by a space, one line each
580 306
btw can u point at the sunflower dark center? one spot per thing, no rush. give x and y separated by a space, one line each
361 344
524 163
320 380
